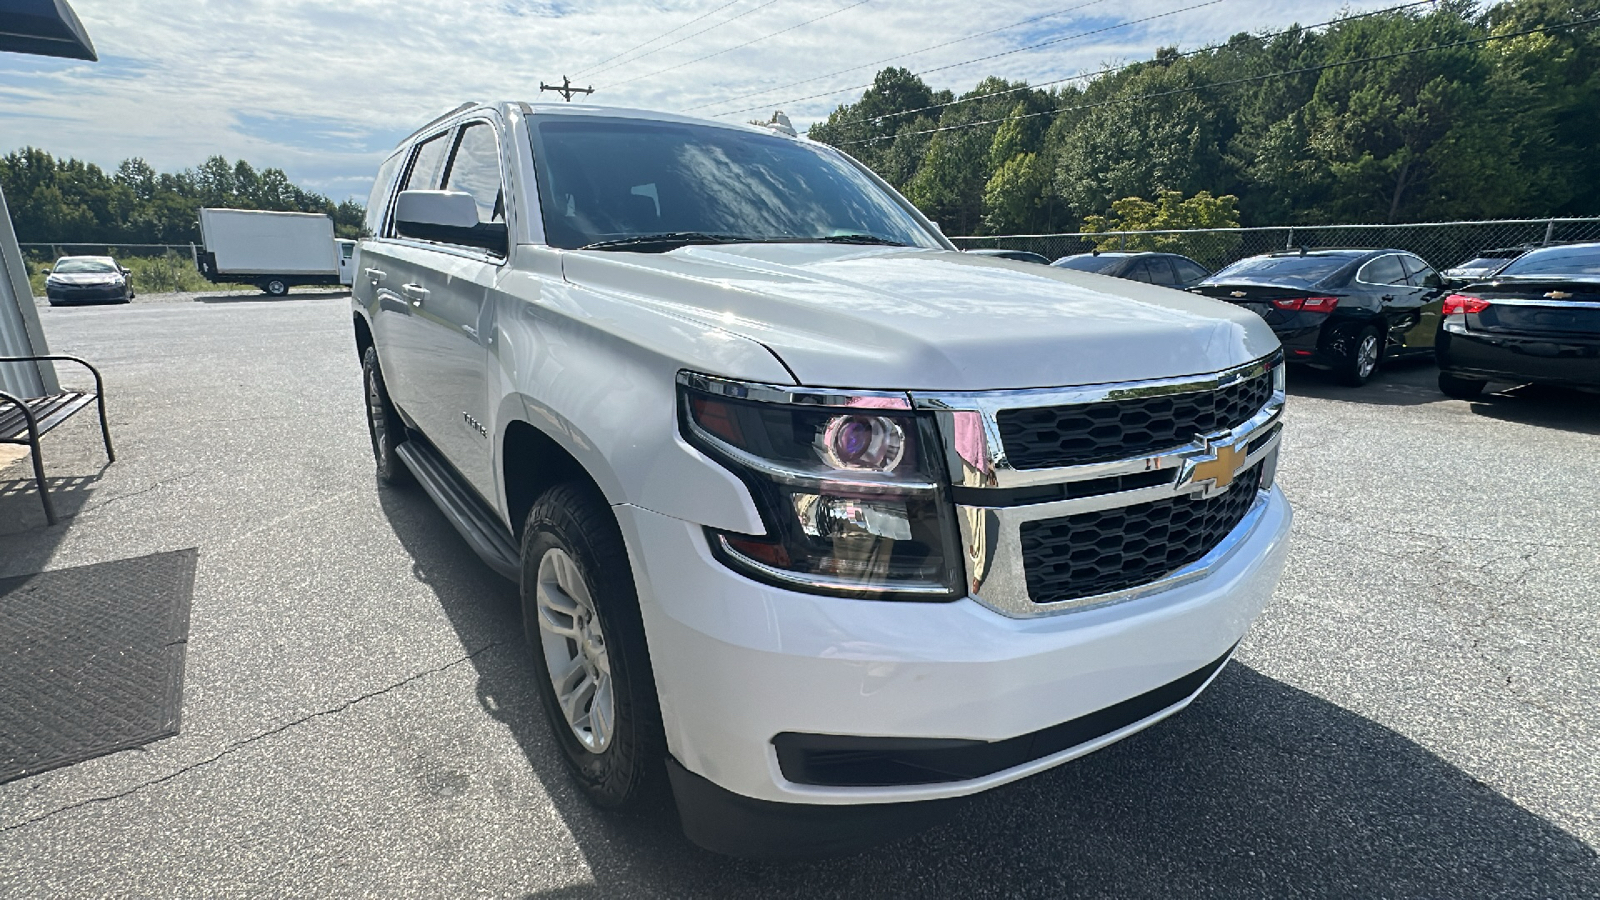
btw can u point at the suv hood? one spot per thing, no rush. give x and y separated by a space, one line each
934 320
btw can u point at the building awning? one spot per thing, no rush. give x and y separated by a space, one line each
43 28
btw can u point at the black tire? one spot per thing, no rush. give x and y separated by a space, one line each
573 518
384 424
1460 388
1362 358
275 287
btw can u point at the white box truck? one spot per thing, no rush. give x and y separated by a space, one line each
276 250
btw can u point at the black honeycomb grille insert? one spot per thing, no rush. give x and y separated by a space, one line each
1049 436
1115 549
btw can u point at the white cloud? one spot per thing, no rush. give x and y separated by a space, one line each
322 88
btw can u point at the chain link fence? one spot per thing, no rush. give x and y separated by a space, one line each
1443 244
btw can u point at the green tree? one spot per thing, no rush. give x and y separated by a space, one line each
1170 211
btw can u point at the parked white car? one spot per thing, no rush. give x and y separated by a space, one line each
815 517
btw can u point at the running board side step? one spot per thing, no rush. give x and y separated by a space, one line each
476 523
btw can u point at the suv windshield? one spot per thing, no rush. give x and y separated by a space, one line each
1575 261
1299 269
83 267
1087 263
616 181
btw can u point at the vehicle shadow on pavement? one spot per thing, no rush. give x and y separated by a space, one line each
1258 789
267 298
1563 409
1405 382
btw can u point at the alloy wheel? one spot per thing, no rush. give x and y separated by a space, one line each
575 650
1367 355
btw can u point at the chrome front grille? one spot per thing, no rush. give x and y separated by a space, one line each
1116 549
1148 484
1048 436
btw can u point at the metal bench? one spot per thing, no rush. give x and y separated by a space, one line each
24 421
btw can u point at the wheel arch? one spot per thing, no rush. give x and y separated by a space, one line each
363 335
531 462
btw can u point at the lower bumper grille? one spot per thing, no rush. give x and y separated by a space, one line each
1115 549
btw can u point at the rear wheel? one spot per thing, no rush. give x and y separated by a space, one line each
1460 388
1366 350
384 425
581 617
276 287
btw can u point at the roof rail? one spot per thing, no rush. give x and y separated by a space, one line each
437 119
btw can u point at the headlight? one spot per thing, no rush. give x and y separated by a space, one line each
850 487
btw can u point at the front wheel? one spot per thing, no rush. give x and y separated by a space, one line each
1362 361
1460 388
275 287
581 616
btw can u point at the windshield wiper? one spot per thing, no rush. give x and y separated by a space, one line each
860 239
666 240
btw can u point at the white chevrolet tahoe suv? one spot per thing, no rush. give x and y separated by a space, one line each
817 521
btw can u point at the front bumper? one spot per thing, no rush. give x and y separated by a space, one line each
738 663
1493 356
94 294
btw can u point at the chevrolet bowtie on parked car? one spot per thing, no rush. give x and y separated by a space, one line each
1537 320
815 517
87 279
1343 310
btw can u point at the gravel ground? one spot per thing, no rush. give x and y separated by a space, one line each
1416 714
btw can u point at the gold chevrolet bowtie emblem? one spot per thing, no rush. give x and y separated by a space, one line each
1221 468
1559 295
1236 293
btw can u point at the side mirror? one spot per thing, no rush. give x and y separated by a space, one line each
449 217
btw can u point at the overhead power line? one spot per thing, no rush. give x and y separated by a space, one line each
1232 82
658 37
1081 76
739 46
968 62
784 87
690 37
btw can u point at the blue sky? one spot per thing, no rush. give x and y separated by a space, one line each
324 89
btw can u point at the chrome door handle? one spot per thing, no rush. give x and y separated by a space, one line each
416 292
376 276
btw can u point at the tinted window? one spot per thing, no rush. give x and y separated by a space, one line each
1088 263
476 170
1383 270
1296 269
1485 262
378 200
606 179
1417 271
1558 261
1188 270
1160 270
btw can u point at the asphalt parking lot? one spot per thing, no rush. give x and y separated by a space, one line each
1416 715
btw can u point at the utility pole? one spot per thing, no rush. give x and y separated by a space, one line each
565 88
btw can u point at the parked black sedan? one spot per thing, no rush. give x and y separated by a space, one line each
87 279
1342 310
1537 320
1018 255
1166 269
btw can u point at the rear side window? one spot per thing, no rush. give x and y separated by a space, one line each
426 166
475 169
378 200
1383 270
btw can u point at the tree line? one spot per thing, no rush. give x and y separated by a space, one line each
1354 122
71 201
